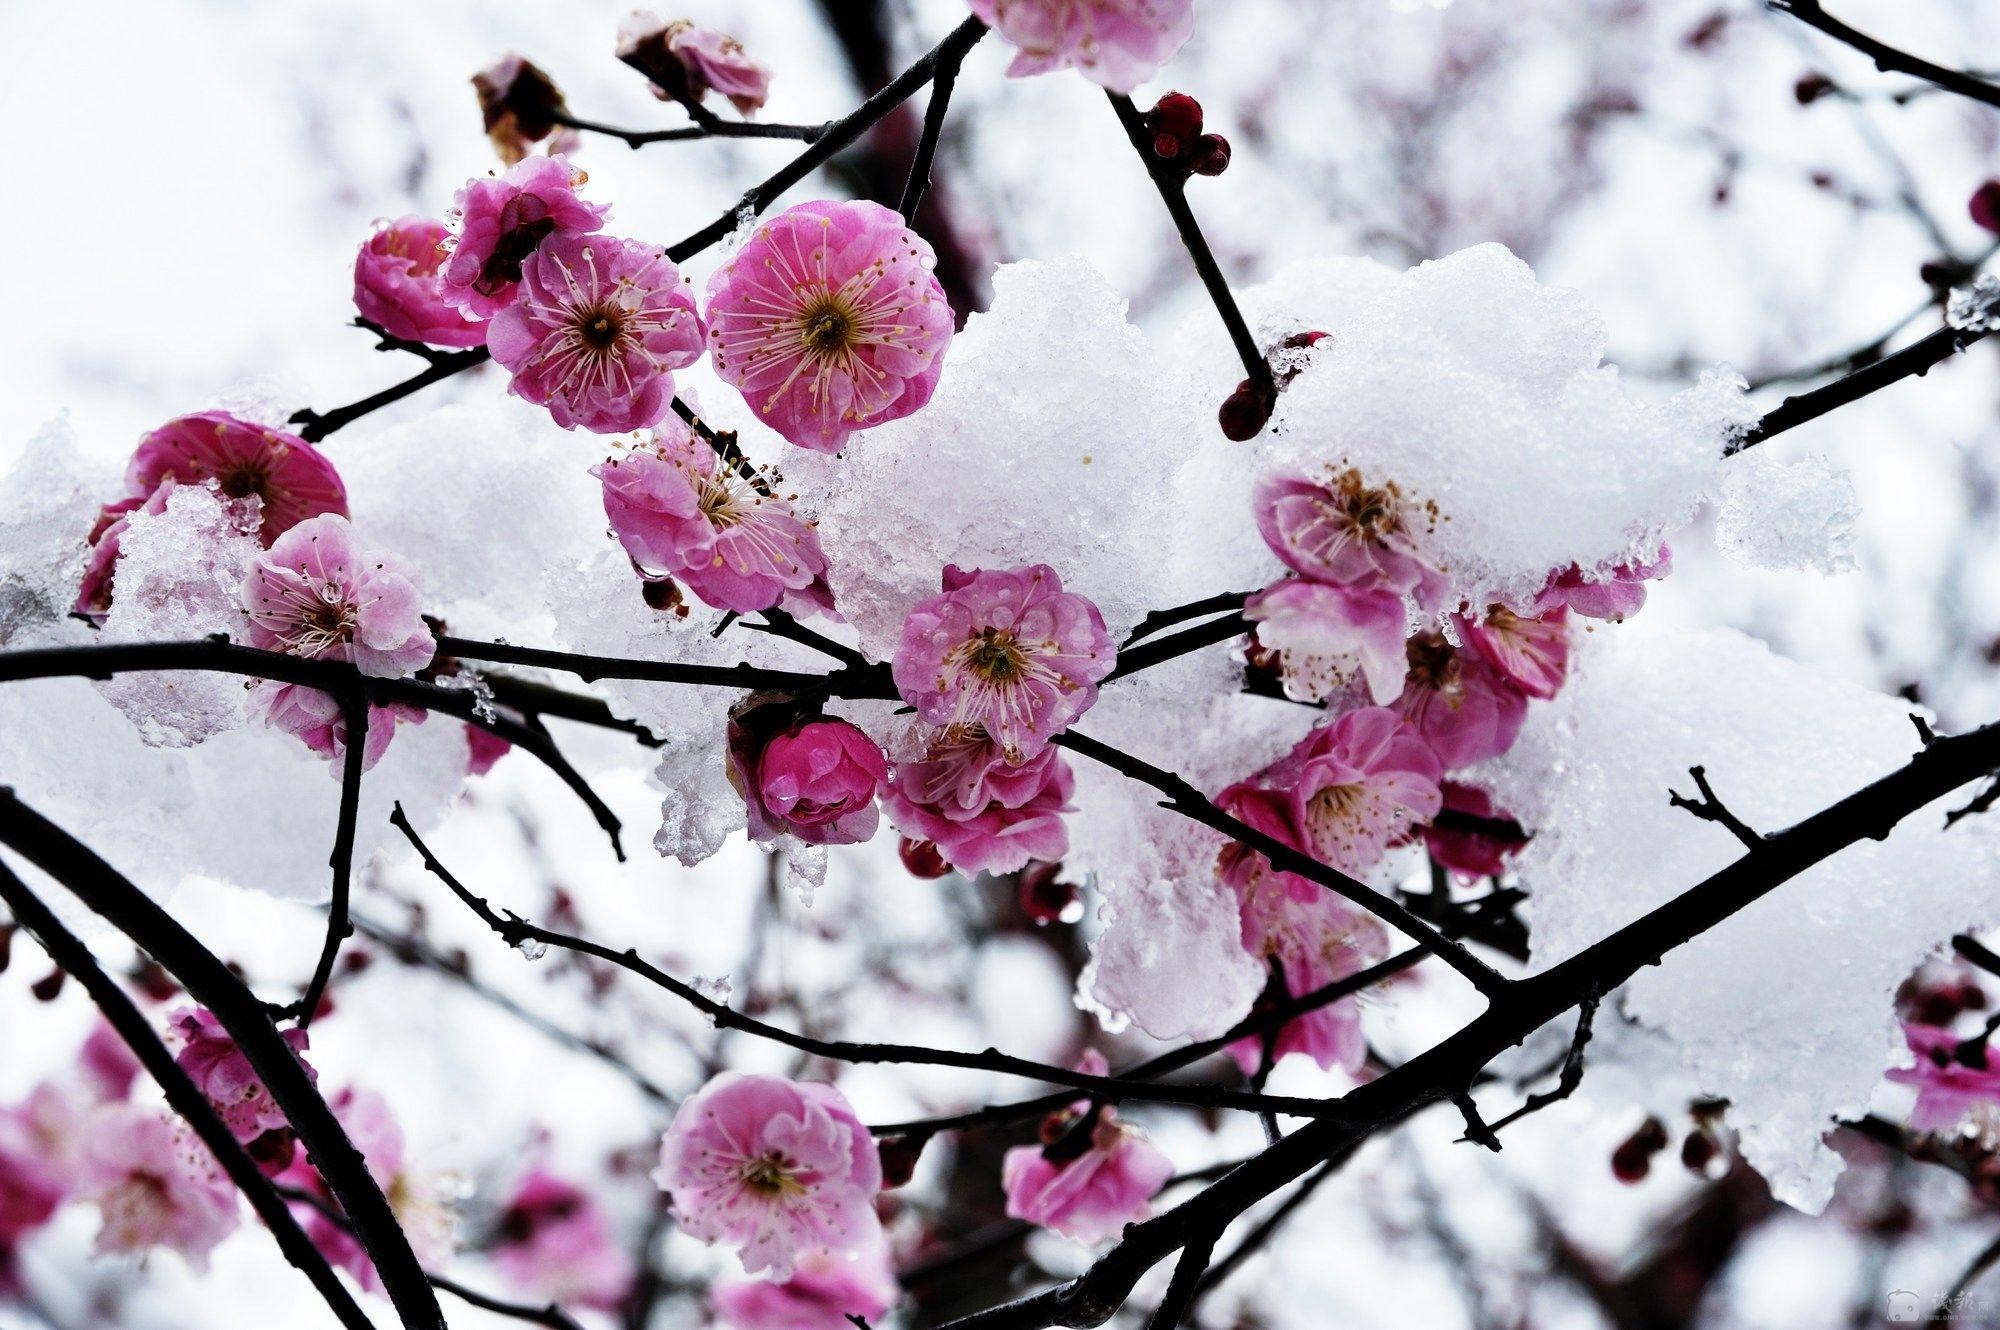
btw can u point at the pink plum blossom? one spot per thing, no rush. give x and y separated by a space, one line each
155 1185
291 479
984 814
1534 653
680 513
554 1245
1008 651
1359 785
774 1168
499 222
1615 594
1464 708
686 62
1091 1180
425 1203
829 320
483 748
823 1292
1335 527
1952 1076
1328 635
317 593
815 780
396 285
218 1068
40 1144
597 330
316 719
1480 840
100 569
1118 44
108 1064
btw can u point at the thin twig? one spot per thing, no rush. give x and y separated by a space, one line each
354 710
1887 58
920 166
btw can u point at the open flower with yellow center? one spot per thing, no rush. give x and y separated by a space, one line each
829 321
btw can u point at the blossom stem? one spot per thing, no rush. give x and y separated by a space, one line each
1914 360
315 425
1887 58
208 981
1173 193
67 951
711 128
354 712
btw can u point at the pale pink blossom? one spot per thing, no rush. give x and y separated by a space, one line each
425 1203
815 780
554 1245
823 1292
1614 594
219 1069
1328 636
1008 651
681 513
1534 653
499 222
155 1185
686 62
983 813
1471 835
1096 1174
41 1142
1334 527
1953 1077
774 1168
829 320
1358 786
317 720
317 593
396 285
290 478
1465 709
597 329
1118 44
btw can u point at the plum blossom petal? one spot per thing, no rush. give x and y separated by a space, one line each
498 223
1327 635
1465 709
396 285
1359 785
597 330
155 1185
291 479
1118 44
686 62
1096 1174
219 1069
1335 527
982 813
1532 652
315 718
829 320
815 780
1472 836
1614 594
316 593
1952 1077
554 1244
1007 651
773 1167
823 1292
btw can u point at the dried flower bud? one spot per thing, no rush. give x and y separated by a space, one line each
1812 87
521 106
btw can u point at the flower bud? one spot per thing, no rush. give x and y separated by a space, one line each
1045 897
1985 205
1209 155
520 104
922 858
1244 412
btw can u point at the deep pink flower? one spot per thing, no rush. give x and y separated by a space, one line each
1328 635
1615 595
1952 1077
93 596
554 1245
1534 653
316 720
830 320
39 1140
1359 785
316 593
291 478
1465 709
1008 651
396 285
218 1068
680 513
483 748
984 814
1480 840
500 221
1090 1187
155 1184
815 780
1335 527
425 1204
685 62
774 1168
1116 43
822 1293
109 1066
597 330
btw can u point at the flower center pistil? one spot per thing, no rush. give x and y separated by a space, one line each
771 1175
826 329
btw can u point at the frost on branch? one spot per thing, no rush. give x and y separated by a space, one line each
1481 395
1975 308
1785 1009
1775 514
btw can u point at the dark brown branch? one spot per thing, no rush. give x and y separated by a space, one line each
1711 809
208 981
514 930
1194 609
1571 1076
853 682
1172 647
920 166
1887 58
316 425
1185 1284
68 952
712 127
1191 803
1949 1307
354 710
1977 953
1914 360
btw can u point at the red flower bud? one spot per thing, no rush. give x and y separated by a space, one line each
921 857
1985 205
1209 155
1244 412
1045 897
1176 114
899 1158
1811 88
